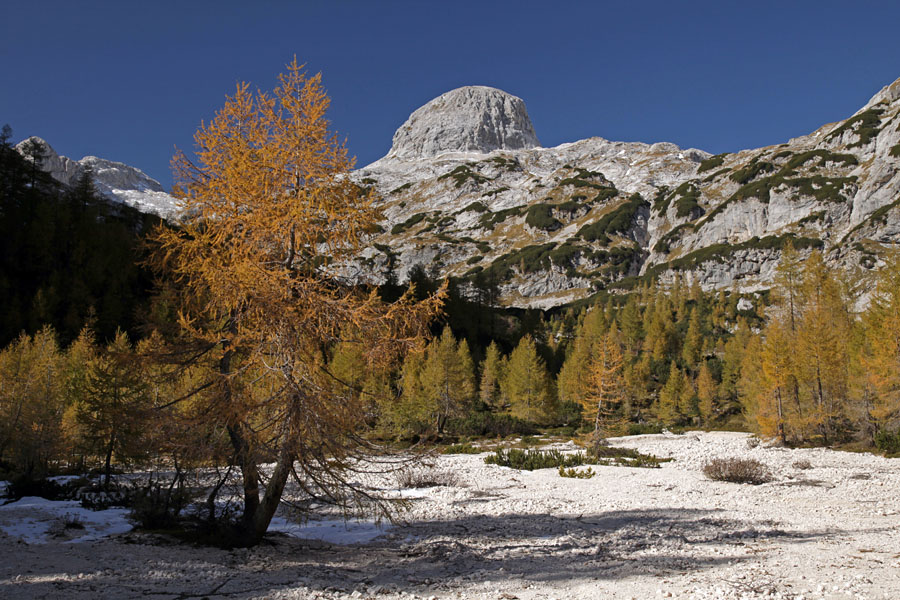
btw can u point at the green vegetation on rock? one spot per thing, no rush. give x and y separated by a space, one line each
462 174
540 216
618 220
712 162
866 124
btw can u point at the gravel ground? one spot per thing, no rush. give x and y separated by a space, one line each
826 531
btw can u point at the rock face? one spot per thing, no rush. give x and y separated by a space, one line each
468 119
466 191
114 180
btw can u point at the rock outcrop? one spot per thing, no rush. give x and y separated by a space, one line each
468 119
115 181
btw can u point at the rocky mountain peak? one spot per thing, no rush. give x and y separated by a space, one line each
116 181
472 119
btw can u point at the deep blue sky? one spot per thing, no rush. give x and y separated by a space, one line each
130 80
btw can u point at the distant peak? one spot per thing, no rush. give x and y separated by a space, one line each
474 118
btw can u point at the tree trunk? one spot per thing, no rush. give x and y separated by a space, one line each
266 509
249 474
107 469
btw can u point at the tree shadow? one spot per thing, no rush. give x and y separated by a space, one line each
428 556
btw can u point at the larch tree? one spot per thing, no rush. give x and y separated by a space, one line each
668 410
269 217
114 408
606 387
448 379
706 395
527 384
492 370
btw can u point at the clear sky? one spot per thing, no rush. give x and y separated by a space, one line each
130 80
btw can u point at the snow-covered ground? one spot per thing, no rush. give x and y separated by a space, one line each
828 531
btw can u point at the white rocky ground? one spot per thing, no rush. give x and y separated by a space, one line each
829 531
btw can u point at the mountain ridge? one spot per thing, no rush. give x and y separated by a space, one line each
554 225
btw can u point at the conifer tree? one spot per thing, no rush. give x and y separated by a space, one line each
693 341
605 392
492 371
114 408
268 209
706 395
527 384
668 411
447 379
32 401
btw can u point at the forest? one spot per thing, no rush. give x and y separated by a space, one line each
130 343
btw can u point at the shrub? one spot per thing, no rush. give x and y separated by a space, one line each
737 470
626 457
401 227
540 216
461 449
159 506
529 460
575 474
619 220
71 521
711 163
22 485
487 424
463 173
426 478
888 441
895 151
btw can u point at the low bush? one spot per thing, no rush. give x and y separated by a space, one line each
802 464
21 486
71 521
888 441
529 460
426 478
626 457
576 474
737 470
461 449
488 424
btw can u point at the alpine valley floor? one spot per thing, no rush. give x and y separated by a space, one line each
829 529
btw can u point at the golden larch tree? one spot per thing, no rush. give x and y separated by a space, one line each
269 216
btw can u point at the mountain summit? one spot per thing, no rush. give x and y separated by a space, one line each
471 119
